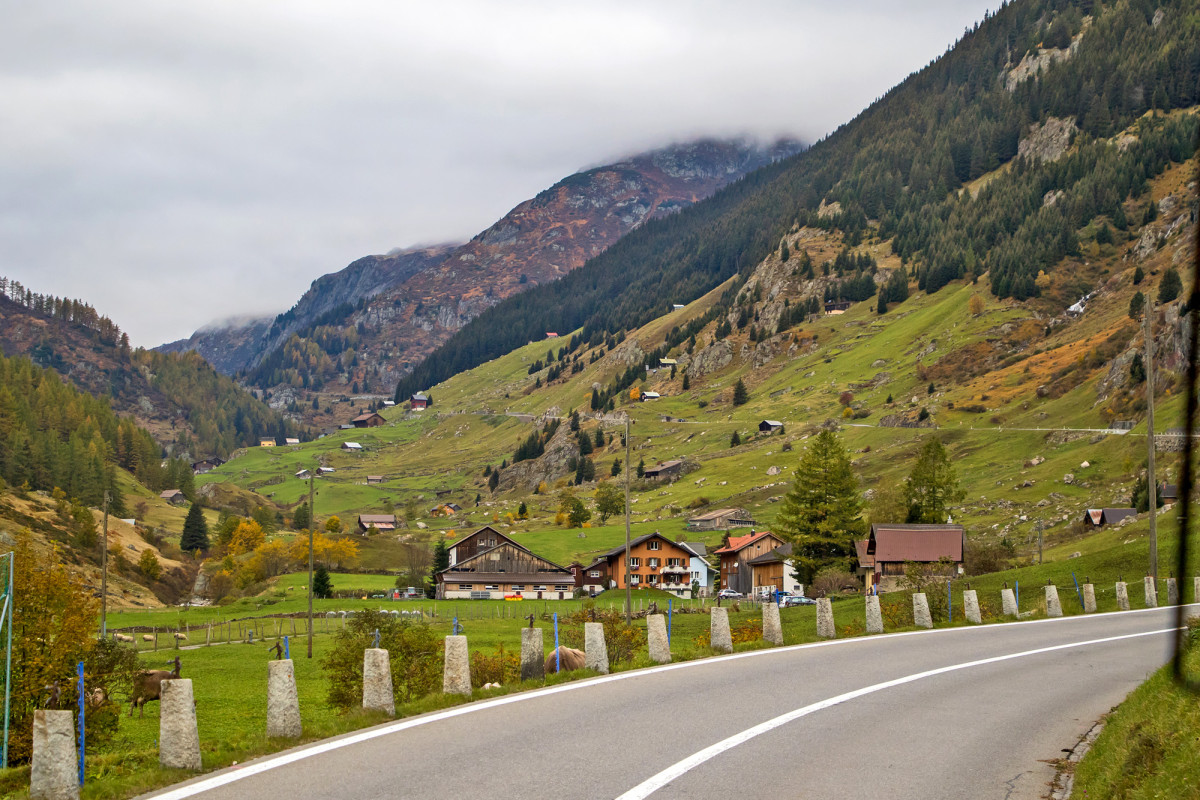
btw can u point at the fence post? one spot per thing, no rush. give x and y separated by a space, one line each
557 655
81 722
670 615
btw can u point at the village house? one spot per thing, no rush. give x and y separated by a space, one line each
866 564
266 442
833 307
1168 492
291 441
487 565
770 426
701 570
551 335
303 474
374 479
646 396
664 470
173 496
667 362
677 306
721 519
938 547
381 522
206 465
325 471
389 403
1099 517
419 401
655 562
736 570
773 572
369 419
353 447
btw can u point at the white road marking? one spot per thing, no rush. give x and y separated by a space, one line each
656 782
234 774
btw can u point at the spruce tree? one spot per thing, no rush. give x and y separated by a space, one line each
322 586
740 394
195 531
599 438
822 514
441 556
687 384
1137 304
932 486
1170 287
735 440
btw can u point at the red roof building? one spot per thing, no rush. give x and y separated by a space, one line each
939 547
736 571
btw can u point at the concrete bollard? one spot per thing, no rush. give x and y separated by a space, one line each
718 630
1089 599
971 607
1196 590
178 737
656 639
1122 596
921 616
595 649
377 681
825 626
283 706
54 770
1008 602
772 629
1053 604
1151 592
1172 592
874 615
533 667
456 674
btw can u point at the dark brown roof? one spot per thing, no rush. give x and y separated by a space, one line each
450 576
865 559
778 554
916 542
639 540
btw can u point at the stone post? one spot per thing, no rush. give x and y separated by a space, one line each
54 771
1089 599
377 681
656 639
595 649
283 707
1151 592
971 607
825 626
1053 604
921 616
1196 590
772 630
456 675
1122 596
1172 592
874 615
178 737
1008 601
533 667
718 630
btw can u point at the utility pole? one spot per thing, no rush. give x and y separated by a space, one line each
312 521
1039 526
628 589
1151 481
104 572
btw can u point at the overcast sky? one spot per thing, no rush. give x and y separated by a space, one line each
177 163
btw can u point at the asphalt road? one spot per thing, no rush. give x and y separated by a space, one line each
958 713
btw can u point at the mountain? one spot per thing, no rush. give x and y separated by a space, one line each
192 410
361 328
958 168
227 344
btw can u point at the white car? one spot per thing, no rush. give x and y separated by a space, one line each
729 594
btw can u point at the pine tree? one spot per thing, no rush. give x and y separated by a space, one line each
494 480
735 440
932 486
784 253
822 514
1137 305
687 384
599 438
1170 287
441 556
195 531
641 468
740 394
322 587
616 467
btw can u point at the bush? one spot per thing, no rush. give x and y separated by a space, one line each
501 667
985 557
830 581
416 658
621 640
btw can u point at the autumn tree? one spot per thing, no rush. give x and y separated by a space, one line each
975 305
148 565
821 515
932 486
246 537
610 500
333 524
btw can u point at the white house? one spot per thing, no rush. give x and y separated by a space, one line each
699 567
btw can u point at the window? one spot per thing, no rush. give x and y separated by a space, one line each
492 588
634 563
562 587
654 544
466 587
518 587
652 563
653 579
634 579
594 573
539 588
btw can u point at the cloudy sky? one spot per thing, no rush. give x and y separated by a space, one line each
178 163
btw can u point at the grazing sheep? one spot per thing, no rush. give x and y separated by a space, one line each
571 658
147 686
120 637
182 637
147 637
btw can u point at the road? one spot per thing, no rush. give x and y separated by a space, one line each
956 713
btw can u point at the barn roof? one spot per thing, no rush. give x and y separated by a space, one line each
916 542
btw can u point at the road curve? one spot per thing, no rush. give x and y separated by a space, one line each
954 713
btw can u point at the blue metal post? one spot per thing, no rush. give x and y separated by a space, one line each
950 600
557 655
286 652
81 723
1078 591
1017 594
670 614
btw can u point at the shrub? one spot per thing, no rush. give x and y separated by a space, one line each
621 640
416 658
501 667
830 581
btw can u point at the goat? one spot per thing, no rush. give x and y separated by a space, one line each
147 686
572 659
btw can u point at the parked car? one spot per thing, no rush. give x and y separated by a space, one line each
729 594
796 600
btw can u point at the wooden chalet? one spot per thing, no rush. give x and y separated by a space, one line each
1168 492
206 465
291 441
721 519
374 479
774 572
770 426
266 442
353 447
892 546
837 306
655 562
665 470
487 565
419 401
737 573
381 522
369 419
1099 517
866 564
173 496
